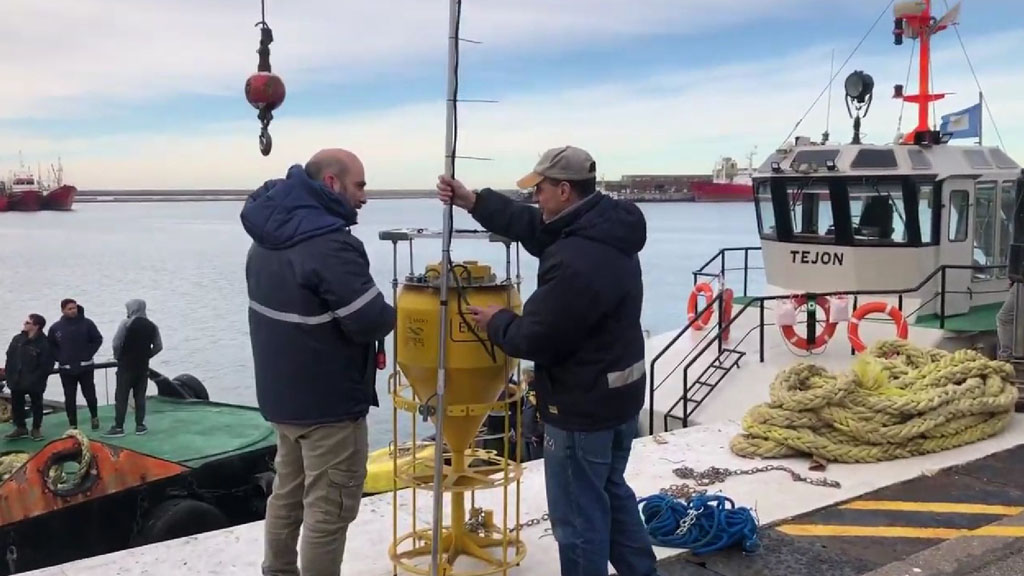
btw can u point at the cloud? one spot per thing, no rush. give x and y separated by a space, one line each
672 122
95 54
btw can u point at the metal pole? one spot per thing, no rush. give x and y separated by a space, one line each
449 169
1018 322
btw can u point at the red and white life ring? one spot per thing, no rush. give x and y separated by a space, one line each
821 339
877 307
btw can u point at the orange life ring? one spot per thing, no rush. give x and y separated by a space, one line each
691 306
820 340
726 311
862 311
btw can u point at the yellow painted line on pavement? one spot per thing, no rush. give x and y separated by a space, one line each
899 531
936 507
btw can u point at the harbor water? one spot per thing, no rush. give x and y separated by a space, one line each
187 260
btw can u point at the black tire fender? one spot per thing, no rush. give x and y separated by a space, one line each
178 518
192 386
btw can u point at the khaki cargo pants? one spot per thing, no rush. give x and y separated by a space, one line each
318 487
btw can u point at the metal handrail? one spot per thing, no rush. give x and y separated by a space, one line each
939 271
154 376
720 256
683 330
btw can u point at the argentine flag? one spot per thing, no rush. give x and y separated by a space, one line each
964 123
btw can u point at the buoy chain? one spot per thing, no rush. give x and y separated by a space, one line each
716 475
475 524
682 491
531 522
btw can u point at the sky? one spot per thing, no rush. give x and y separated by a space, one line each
149 94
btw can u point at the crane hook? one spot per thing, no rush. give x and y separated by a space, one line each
264 90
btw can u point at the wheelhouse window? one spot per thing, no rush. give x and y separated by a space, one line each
959 211
849 210
994 206
877 211
810 206
765 211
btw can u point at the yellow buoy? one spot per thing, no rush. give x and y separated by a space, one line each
477 373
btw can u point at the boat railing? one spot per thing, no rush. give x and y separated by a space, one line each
720 258
165 386
721 325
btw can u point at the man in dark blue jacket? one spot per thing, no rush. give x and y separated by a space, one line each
581 328
75 340
316 318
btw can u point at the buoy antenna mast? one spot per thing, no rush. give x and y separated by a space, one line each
450 142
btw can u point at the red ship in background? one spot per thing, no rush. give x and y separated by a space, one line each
24 192
729 182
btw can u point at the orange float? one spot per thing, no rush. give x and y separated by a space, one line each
877 307
703 288
789 332
726 311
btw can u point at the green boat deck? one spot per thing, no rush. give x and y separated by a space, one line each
188 432
980 318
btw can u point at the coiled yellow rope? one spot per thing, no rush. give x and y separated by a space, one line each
56 477
897 401
9 463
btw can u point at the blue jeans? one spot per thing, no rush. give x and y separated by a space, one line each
594 514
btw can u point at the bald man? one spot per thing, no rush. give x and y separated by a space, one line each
316 320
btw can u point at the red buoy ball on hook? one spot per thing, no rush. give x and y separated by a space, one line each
265 90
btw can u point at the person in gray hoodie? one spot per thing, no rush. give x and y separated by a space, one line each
137 341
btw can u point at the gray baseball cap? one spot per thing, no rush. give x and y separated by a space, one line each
564 163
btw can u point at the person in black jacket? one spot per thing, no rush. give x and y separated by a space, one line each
316 319
581 328
28 367
136 341
75 340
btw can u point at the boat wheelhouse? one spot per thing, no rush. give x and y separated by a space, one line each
883 218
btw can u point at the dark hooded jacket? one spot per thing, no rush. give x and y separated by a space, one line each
315 313
74 342
137 339
29 363
581 327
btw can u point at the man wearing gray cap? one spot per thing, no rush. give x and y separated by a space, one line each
581 329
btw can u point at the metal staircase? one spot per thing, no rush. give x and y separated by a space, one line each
710 378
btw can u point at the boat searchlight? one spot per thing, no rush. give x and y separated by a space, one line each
860 87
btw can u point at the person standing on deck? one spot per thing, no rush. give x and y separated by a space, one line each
136 341
581 328
316 320
28 366
75 340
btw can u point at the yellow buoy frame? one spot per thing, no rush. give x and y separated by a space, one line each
477 375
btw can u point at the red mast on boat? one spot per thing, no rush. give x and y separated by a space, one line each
914 20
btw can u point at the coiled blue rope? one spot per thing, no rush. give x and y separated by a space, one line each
705 523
